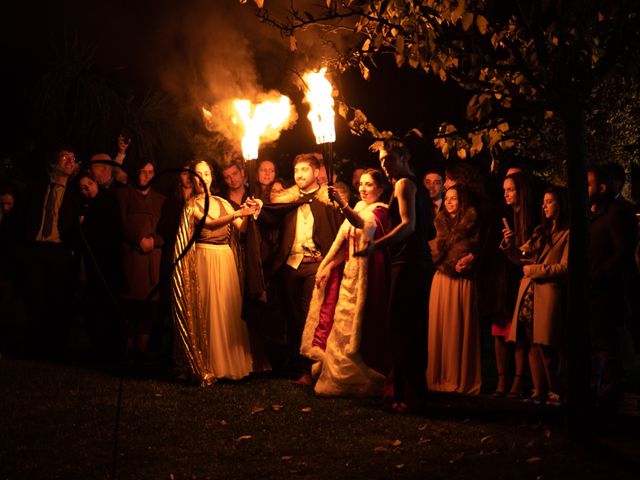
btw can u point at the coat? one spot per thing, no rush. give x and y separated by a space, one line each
140 215
454 240
548 274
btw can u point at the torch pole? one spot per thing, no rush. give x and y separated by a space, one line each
250 168
327 153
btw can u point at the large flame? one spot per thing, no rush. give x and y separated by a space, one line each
264 119
320 100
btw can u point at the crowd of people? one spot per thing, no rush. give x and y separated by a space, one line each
381 288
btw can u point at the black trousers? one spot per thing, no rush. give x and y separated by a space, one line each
298 288
408 314
50 294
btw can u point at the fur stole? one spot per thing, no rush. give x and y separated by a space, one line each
454 240
292 194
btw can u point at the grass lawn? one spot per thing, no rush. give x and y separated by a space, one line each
59 422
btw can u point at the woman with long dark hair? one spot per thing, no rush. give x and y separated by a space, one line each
348 343
454 327
518 225
538 312
266 176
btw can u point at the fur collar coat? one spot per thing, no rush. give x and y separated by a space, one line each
454 239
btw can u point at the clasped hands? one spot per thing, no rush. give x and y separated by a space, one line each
146 244
464 264
251 206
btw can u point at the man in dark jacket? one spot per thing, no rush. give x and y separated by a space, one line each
610 255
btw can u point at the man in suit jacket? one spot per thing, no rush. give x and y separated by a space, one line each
50 237
309 223
433 181
610 255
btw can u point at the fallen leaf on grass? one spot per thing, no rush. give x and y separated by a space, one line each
396 443
243 437
400 466
286 458
158 395
276 408
495 451
534 459
422 427
256 409
457 458
423 440
222 422
531 444
381 450
486 439
305 409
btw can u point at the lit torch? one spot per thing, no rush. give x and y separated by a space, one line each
261 121
321 114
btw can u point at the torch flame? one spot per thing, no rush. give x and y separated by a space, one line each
321 112
265 119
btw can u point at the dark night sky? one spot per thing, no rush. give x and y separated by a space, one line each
195 50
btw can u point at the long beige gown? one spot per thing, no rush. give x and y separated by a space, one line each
454 336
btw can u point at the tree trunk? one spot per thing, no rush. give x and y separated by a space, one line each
576 332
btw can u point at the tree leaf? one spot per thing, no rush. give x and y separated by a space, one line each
343 110
457 13
378 41
494 137
364 71
400 50
467 20
476 146
481 23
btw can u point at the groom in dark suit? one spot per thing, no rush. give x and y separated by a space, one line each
309 223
